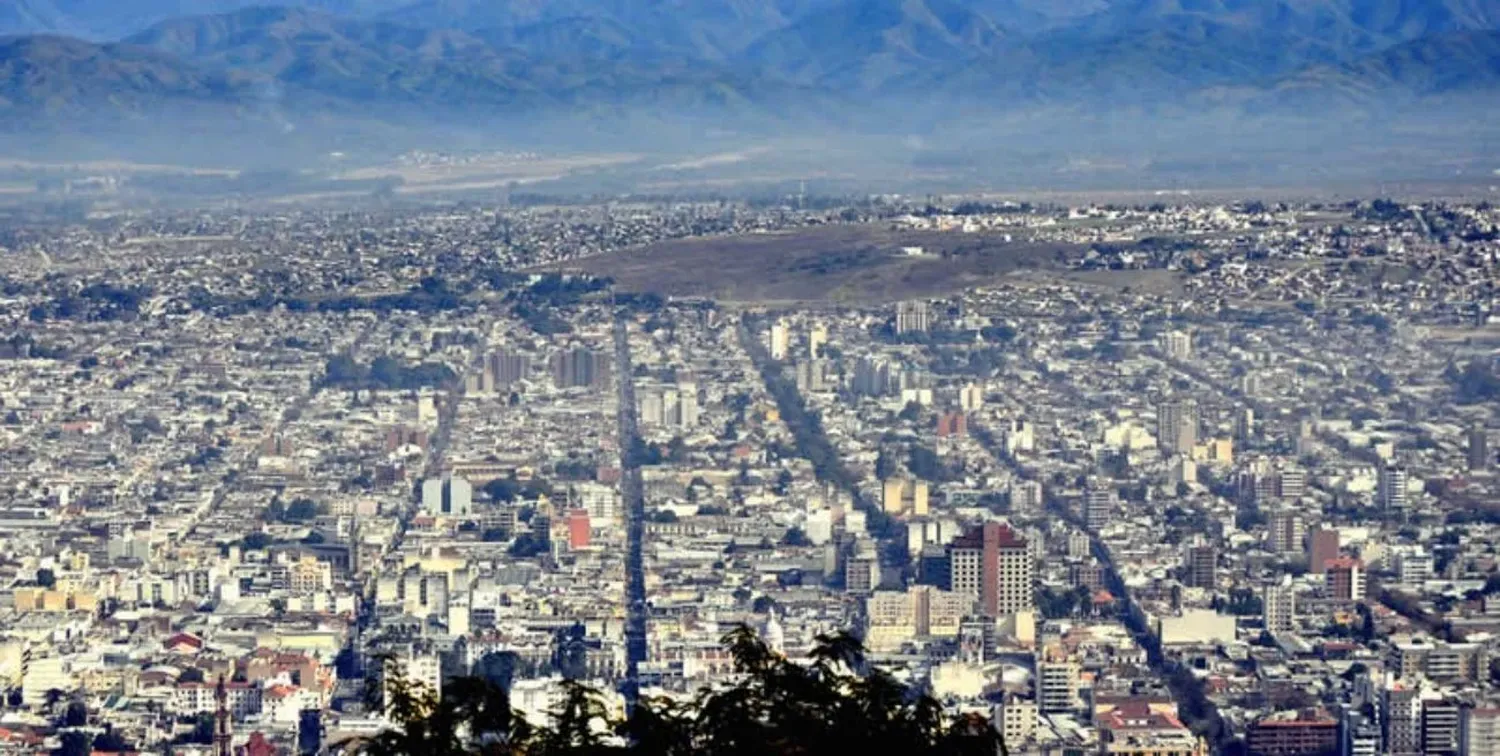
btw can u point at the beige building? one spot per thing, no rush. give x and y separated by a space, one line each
904 496
308 575
919 613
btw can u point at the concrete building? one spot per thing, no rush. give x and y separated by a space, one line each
1279 608
905 497
1285 531
1479 449
450 496
1057 675
1322 548
993 563
580 367
913 317
1440 727
817 339
1479 731
1176 345
1293 733
1099 506
1177 426
971 398
1345 579
1025 497
508 368
1391 489
1200 564
1401 720
780 341
921 612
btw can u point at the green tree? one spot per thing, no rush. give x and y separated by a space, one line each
775 706
75 743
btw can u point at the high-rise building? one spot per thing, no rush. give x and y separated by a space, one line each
921 612
1413 568
913 317
1285 531
952 425
687 411
993 563
1177 345
872 377
1390 489
1200 564
1322 548
1025 497
578 529
905 496
601 501
1177 426
1279 608
508 368
421 671
781 340
449 495
1098 507
1479 449
1358 736
1056 680
1018 436
1182 470
812 375
817 338
1479 731
1244 424
651 409
402 435
579 367
862 572
1401 720
971 398
1440 727
1291 482
1345 579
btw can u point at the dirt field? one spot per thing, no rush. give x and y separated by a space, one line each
833 264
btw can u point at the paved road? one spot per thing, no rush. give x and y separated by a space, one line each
1222 740
633 493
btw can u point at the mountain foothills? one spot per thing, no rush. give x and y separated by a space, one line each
749 63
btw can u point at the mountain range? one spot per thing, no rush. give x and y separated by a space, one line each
737 64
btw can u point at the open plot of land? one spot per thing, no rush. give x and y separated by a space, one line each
831 264
484 172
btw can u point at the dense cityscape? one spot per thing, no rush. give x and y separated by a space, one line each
1173 478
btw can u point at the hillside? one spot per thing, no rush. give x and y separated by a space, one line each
1461 63
47 76
748 66
861 44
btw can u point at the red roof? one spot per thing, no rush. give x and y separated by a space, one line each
1343 563
184 639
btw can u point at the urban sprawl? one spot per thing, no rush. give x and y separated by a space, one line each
1215 479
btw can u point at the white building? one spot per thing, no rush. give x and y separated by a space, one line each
1280 608
1479 732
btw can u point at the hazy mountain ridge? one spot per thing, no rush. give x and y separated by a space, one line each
1431 66
60 76
749 61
